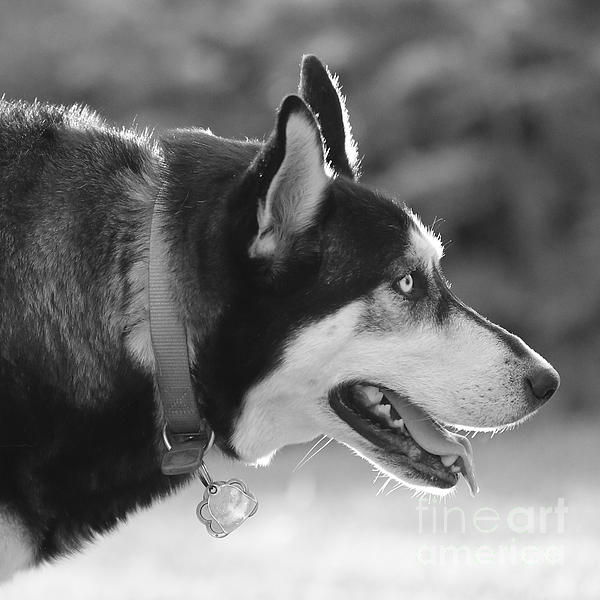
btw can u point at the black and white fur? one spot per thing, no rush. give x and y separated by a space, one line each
285 272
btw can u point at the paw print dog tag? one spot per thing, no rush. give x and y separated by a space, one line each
225 506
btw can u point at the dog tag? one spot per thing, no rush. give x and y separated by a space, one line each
225 506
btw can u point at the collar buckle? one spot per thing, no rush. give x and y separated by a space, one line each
185 451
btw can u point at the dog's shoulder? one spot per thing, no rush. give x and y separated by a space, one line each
36 118
29 112
72 142
34 130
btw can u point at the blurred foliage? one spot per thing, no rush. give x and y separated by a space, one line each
482 113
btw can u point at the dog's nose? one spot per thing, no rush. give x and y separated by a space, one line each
544 382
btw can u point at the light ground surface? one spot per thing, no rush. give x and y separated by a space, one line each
322 533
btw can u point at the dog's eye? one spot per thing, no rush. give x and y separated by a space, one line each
405 285
412 286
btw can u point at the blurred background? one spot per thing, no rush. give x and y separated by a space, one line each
484 116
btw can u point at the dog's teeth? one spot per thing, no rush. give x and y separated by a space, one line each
372 395
382 411
398 424
449 459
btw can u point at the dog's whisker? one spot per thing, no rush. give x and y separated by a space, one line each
329 440
308 454
397 486
378 476
421 494
315 449
385 484
304 458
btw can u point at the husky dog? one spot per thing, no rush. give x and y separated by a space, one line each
312 305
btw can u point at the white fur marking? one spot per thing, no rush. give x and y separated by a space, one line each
16 551
426 246
285 407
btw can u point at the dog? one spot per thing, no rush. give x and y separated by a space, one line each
311 305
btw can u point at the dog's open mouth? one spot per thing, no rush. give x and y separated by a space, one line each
406 434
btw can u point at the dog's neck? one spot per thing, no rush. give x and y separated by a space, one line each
197 169
197 172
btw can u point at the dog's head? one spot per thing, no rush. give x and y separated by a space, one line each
343 323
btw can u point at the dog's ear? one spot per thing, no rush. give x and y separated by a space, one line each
290 177
320 89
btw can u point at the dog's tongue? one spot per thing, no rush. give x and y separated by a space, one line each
434 438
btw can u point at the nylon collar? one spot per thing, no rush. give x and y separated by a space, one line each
186 433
